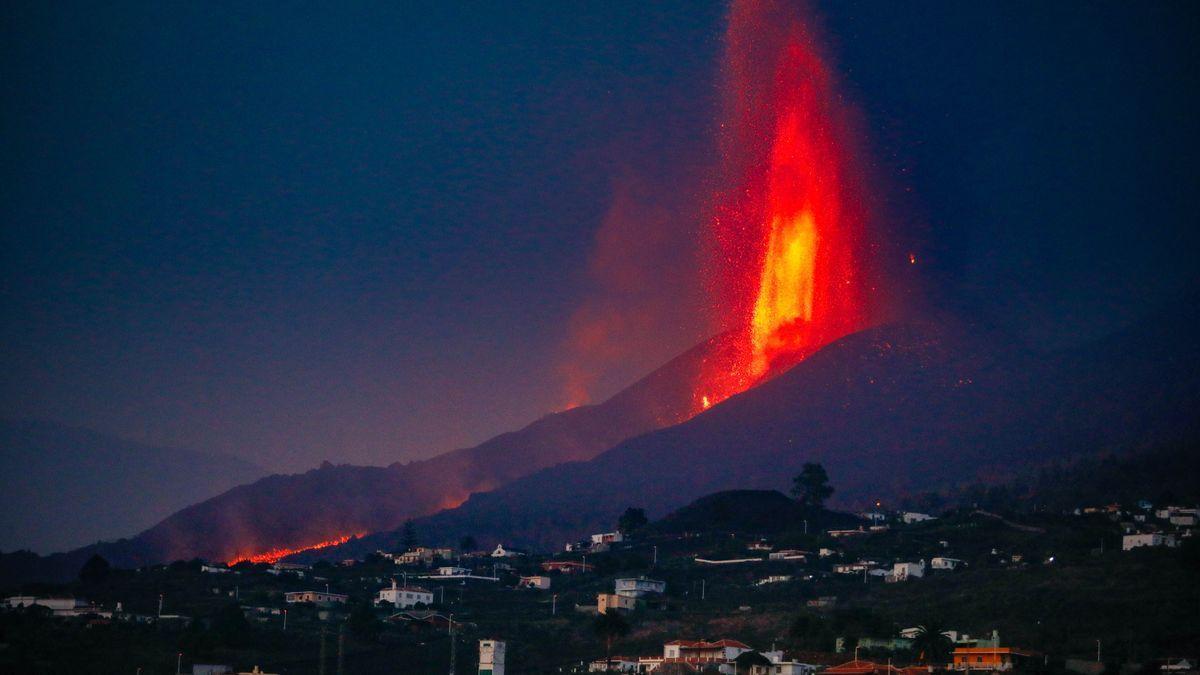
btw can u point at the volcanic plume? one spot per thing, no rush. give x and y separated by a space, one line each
790 229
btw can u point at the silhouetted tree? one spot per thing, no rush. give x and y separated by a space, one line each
94 571
610 626
811 487
467 544
633 519
363 622
230 627
931 644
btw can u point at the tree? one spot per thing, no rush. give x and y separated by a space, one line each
467 544
363 622
811 488
408 536
230 627
931 643
632 519
94 571
610 626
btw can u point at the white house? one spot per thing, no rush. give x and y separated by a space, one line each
214 569
403 597
827 553
774 579
491 657
63 606
619 664
423 555
941 563
607 601
316 597
854 567
786 554
537 582
903 571
15 601
502 552
452 571
719 653
608 537
639 586
781 667
1132 541
910 517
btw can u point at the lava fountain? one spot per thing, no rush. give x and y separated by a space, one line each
790 231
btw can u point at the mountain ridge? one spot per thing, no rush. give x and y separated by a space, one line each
117 486
889 410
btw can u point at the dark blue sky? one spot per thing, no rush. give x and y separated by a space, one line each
295 233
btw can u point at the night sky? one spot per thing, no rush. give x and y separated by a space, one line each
372 234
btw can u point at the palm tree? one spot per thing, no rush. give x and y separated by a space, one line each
610 627
931 643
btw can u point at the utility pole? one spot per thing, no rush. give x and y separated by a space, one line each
1097 651
178 663
554 604
453 651
341 662
655 556
702 583
160 599
285 620
321 663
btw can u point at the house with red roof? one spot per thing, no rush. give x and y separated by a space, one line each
860 667
697 654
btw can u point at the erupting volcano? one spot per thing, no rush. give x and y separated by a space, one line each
790 231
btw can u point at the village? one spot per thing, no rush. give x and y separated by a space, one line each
876 592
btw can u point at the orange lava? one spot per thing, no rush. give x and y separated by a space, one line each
791 232
276 554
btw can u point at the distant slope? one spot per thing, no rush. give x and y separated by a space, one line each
66 487
293 511
897 409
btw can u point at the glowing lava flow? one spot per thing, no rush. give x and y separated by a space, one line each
276 554
791 233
